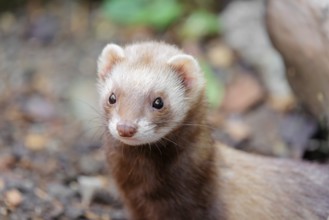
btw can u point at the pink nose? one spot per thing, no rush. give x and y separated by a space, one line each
126 129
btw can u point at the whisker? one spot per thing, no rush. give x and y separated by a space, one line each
200 125
167 139
159 148
175 144
89 105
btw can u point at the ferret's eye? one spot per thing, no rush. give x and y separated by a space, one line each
112 99
157 103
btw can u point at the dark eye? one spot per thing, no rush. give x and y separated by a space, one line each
157 103
112 99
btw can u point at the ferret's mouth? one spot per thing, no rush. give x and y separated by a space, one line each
130 141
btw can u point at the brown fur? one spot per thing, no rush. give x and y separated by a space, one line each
165 180
186 175
189 177
256 187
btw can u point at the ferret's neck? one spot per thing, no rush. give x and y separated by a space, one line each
170 178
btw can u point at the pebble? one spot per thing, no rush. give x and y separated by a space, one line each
13 198
2 184
117 215
220 55
35 142
3 211
39 108
60 191
7 21
91 215
237 130
90 165
89 185
74 212
57 211
282 104
6 161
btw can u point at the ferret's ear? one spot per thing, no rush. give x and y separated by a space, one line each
110 55
188 68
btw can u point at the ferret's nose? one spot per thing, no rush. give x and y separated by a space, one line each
126 129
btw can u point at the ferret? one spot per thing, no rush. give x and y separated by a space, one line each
162 156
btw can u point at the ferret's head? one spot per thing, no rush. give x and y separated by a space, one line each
146 90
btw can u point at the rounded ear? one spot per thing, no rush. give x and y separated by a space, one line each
188 68
110 55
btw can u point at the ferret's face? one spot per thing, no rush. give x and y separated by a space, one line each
142 105
141 101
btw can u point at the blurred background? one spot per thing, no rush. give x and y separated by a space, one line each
51 162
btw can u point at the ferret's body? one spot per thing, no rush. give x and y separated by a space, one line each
256 187
164 160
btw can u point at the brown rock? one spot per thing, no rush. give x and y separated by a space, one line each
242 93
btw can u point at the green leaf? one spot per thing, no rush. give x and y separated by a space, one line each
214 88
163 13
199 24
158 13
123 11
